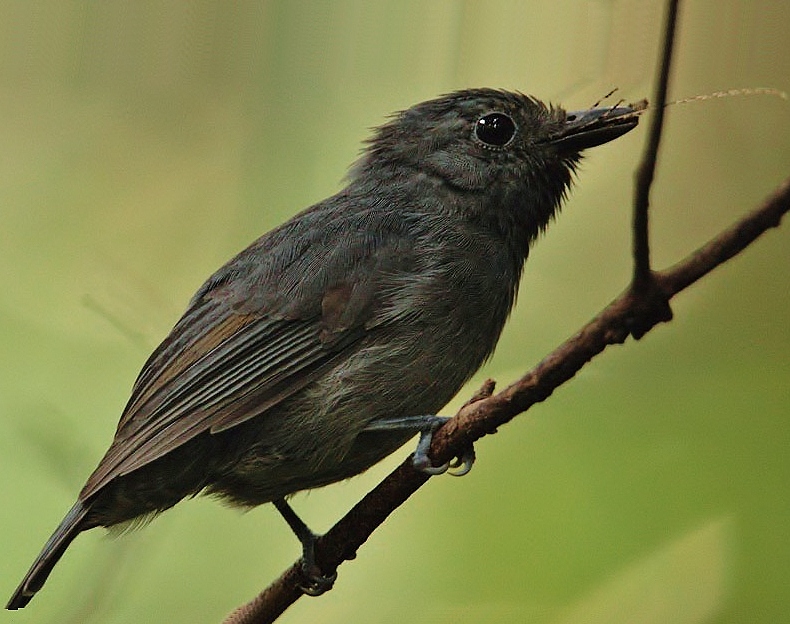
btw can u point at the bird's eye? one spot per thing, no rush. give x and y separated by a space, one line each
495 129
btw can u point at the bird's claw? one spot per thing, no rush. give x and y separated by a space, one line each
458 467
428 468
462 464
315 583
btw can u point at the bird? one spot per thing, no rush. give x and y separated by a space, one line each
336 337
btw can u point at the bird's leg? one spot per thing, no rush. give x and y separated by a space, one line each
315 582
426 425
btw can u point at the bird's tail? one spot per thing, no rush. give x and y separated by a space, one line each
53 550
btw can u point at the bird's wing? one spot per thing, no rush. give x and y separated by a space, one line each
253 336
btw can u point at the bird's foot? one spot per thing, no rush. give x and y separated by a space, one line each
426 426
315 582
458 467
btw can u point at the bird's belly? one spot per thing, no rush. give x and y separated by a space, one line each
318 436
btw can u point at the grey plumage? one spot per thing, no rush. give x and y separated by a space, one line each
377 303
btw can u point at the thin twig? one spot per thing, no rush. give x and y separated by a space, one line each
647 167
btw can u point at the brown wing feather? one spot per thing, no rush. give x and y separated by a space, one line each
215 370
242 348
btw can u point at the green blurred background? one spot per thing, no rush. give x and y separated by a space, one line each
142 144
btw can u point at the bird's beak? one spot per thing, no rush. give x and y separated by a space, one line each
592 127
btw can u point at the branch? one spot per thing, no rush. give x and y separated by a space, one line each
647 168
635 312
477 418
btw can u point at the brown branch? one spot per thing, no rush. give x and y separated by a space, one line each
635 312
647 168
633 309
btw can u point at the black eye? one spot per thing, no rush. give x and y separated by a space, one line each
495 129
